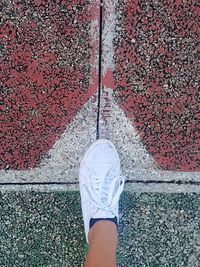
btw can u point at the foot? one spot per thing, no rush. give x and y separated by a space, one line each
100 182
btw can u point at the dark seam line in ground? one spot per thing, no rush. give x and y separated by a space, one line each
99 78
127 182
178 182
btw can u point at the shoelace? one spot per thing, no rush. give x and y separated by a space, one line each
111 201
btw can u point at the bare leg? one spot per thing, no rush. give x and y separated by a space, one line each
103 240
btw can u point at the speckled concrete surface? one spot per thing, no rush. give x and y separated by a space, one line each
47 145
61 163
46 229
152 74
49 63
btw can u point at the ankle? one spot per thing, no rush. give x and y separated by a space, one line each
102 229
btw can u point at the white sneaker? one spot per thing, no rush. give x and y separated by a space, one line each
100 182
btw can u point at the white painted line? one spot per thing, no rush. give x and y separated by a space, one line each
108 35
134 188
62 161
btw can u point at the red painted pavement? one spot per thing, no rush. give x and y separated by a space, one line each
157 78
45 72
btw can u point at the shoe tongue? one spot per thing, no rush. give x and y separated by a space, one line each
103 214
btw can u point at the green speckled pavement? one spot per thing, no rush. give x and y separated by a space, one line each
46 229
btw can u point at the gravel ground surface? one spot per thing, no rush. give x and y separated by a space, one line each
46 229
